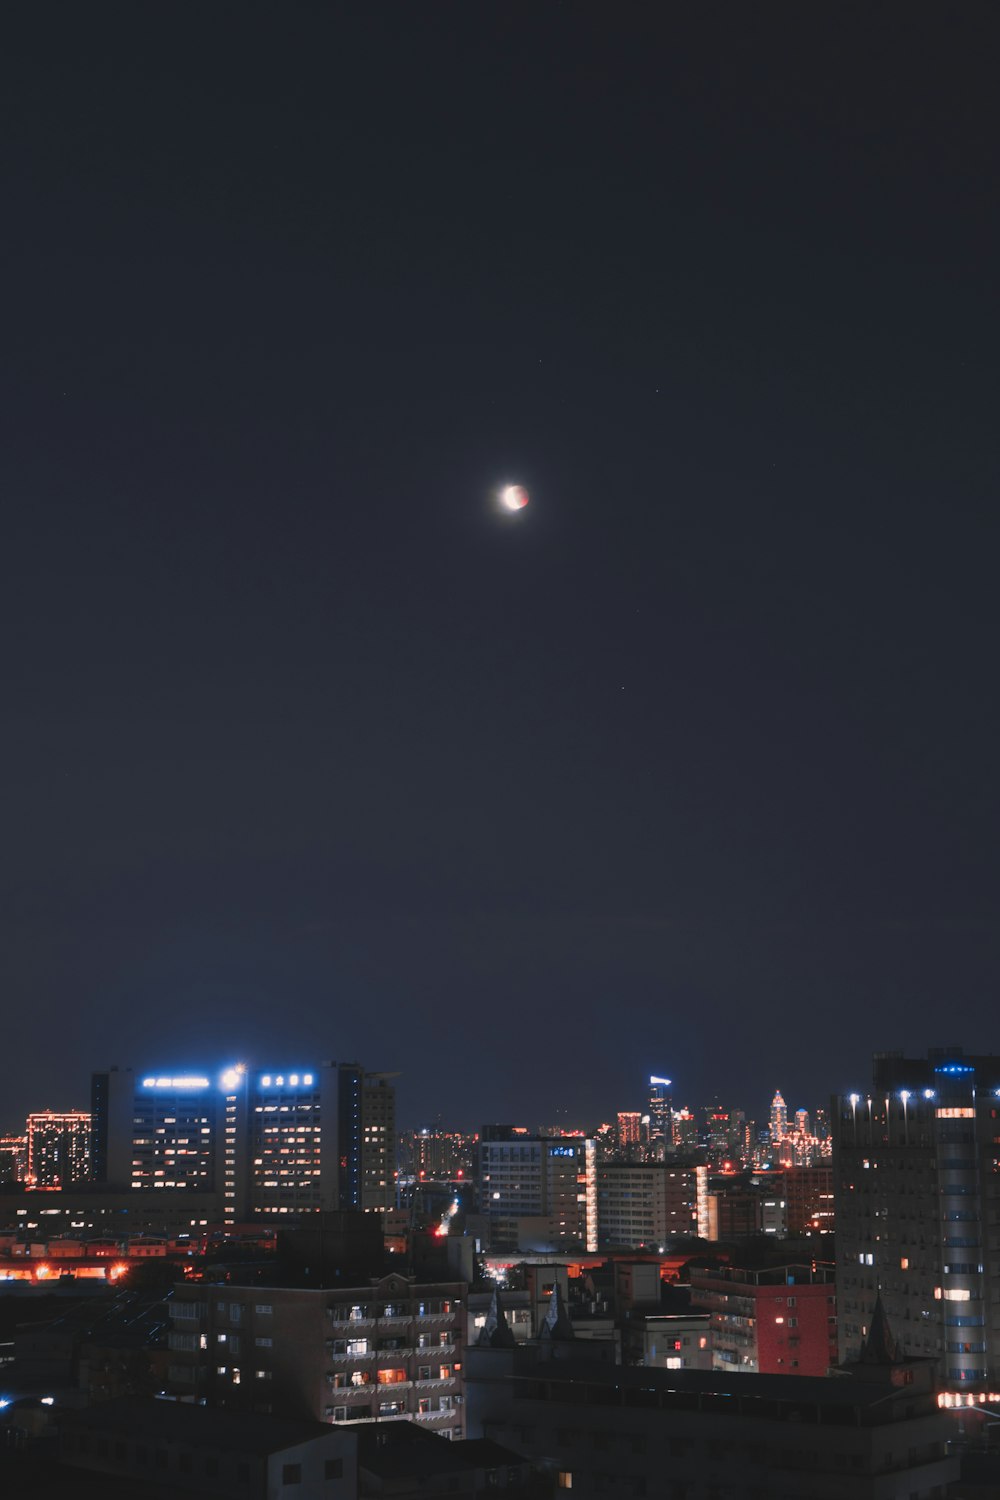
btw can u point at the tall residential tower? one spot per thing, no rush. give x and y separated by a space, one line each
917 1184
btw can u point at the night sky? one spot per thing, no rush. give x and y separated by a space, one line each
308 751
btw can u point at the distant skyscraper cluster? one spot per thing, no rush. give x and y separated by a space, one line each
722 1136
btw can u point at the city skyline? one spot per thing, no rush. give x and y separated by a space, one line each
214 1072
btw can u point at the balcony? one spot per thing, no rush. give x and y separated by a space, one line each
398 1416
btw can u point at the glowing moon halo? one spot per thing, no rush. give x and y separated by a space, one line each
513 497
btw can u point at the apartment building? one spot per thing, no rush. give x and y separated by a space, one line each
391 1350
778 1321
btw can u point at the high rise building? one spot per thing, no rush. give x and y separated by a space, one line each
292 1167
277 1141
444 1155
779 1123
378 1143
13 1158
538 1192
629 1130
917 1201
684 1129
58 1145
808 1192
660 1112
646 1204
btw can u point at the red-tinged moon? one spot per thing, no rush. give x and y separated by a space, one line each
514 496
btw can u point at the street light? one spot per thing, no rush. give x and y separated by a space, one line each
904 1094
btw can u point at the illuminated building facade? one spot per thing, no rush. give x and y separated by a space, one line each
58 1147
660 1112
378 1143
538 1192
440 1154
684 1129
174 1138
808 1193
13 1158
391 1349
290 1171
629 1131
917 1195
266 1142
778 1321
645 1204
779 1124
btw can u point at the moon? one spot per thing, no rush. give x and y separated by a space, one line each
513 497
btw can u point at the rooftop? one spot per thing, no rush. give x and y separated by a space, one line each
196 1426
776 1396
402 1450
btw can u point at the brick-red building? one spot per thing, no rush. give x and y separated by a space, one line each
779 1321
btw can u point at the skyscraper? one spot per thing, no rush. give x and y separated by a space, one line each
268 1142
629 1123
917 1184
378 1143
779 1122
13 1158
58 1148
660 1132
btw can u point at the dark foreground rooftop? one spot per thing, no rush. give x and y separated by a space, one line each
196 1426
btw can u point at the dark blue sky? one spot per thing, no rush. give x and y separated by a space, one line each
307 751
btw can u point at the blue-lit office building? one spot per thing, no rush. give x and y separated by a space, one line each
917 1190
267 1142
